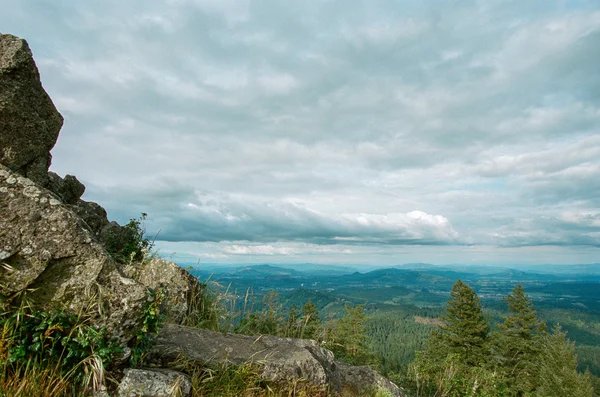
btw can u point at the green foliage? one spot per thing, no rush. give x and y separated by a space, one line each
153 320
347 337
519 343
465 332
127 243
266 321
310 321
203 308
451 377
558 374
36 343
291 328
524 359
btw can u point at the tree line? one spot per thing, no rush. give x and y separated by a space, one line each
466 356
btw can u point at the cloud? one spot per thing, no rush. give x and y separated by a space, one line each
252 124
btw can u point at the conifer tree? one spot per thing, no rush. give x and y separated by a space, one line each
558 376
291 325
311 323
519 343
465 331
347 337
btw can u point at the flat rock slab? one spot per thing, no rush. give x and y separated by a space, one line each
282 359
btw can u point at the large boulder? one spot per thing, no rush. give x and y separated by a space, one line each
30 122
281 359
182 292
47 251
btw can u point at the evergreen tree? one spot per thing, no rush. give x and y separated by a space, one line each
454 362
558 376
291 329
311 323
465 331
271 306
519 343
347 337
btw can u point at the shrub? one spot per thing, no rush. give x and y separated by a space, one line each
129 242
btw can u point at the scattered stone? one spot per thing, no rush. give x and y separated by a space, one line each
30 122
154 383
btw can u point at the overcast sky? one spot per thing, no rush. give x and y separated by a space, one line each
366 132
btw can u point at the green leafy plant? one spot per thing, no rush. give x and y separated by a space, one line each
129 242
56 348
153 320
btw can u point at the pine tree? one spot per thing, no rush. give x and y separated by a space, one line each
558 376
347 337
311 323
291 325
269 316
465 331
454 362
519 343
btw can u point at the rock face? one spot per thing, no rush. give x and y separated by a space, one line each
281 359
181 289
154 383
30 123
47 248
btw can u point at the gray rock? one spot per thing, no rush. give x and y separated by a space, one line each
92 214
281 359
154 383
68 189
30 122
48 251
360 380
182 291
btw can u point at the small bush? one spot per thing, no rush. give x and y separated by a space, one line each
129 242
153 320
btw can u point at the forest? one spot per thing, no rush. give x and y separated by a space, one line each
398 320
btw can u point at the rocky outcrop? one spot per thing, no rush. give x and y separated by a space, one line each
93 215
53 251
154 383
181 290
46 249
69 189
30 122
280 359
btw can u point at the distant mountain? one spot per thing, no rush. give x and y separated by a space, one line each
417 266
264 270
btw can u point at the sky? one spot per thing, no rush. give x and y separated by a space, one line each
327 131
